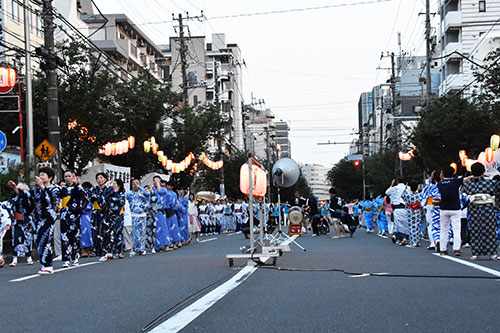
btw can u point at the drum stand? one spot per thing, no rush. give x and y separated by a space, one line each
281 238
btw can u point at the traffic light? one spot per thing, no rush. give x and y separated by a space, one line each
356 163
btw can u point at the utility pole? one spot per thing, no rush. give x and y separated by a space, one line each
428 48
243 125
397 139
51 81
221 138
182 51
268 165
29 97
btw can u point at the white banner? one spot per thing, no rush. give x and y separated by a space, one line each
113 172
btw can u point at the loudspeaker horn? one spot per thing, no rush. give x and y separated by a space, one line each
285 172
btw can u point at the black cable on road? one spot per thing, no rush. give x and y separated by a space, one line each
190 299
290 269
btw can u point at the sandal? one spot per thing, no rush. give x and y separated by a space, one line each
29 261
474 258
103 259
120 256
493 257
2 262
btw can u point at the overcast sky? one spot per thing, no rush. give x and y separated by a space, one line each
309 66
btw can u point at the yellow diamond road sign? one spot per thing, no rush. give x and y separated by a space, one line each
45 150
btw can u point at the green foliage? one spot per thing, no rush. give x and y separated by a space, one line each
108 109
347 179
448 125
6 192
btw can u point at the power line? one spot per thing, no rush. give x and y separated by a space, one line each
284 11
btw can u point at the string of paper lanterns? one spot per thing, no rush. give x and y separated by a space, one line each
118 148
211 164
485 157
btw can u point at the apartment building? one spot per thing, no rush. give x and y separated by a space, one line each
214 74
316 174
260 133
12 32
469 30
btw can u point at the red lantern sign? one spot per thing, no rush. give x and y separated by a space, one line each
8 78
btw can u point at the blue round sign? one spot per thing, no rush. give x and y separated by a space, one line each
3 141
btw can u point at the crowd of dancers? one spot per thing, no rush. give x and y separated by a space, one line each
106 221
464 211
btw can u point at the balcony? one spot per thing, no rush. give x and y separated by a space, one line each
452 19
452 47
453 82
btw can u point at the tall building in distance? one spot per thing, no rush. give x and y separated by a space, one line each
316 174
469 30
214 75
282 140
260 133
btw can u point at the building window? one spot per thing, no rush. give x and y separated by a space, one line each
482 6
133 50
195 100
15 10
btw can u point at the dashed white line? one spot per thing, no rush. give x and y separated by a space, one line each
470 264
55 271
208 240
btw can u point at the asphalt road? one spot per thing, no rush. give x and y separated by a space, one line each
125 295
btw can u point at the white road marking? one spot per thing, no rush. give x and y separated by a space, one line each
208 240
234 233
55 271
190 313
470 264
382 236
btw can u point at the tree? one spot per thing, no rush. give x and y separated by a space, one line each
448 125
287 193
347 179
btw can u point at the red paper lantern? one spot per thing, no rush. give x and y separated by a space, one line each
462 154
489 154
125 146
8 78
114 149
131 142
107 149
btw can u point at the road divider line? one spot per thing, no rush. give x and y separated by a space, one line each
208 240
190 313
55 271
470 264
360 275
234 233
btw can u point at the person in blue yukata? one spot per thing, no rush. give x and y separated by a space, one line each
86 242
140 202
44 200
22 228
163 239
73 201
101 228
171 207
116 210
182 215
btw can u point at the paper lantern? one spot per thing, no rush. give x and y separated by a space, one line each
259 181
125 146
114 149
131 142
182 166
462 154
107 149
153 141
169 164
8 78
154 148
489 154
482 157
164 161
119 149
147 146
160 155
464 161
494 141
468 164
454 166
102 150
